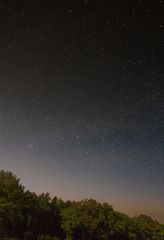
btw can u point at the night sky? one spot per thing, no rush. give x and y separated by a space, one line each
81 100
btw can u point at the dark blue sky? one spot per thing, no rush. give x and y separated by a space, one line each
81 100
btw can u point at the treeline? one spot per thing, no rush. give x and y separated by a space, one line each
25 215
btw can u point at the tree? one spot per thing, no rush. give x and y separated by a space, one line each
70 221
11 204
31 214
91 217
26 215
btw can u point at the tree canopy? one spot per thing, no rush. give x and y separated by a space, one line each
26 215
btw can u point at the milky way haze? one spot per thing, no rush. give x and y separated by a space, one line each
81 100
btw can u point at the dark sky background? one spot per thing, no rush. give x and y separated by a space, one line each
81 100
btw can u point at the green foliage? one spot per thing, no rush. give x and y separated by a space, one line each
25 215
69 219
11 204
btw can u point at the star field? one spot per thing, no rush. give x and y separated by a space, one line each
81 100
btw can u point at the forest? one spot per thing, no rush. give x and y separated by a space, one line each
28 216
